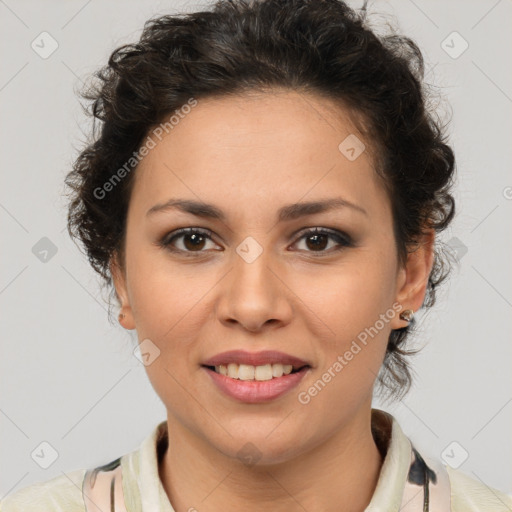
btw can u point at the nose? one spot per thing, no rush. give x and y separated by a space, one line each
254 296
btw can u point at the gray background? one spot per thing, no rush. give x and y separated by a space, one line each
69 378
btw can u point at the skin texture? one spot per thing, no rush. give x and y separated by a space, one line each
250 155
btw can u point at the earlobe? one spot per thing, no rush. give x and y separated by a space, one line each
413 279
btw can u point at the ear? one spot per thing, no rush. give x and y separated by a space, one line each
119 280
412 280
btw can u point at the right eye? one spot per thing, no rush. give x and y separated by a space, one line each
190 238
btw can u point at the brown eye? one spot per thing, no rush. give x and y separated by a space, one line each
193 241
187 240
317 240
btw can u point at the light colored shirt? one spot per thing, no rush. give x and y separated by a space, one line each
408 482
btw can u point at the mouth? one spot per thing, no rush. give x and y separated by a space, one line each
250 384
248 372
260 366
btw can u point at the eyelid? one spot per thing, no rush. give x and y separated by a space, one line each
323 230
342 239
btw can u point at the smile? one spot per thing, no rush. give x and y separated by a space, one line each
250 372
248 385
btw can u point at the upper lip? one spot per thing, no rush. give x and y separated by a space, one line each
255 358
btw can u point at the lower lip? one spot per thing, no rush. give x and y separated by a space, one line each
254 391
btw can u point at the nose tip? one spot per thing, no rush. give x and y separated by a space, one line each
254 297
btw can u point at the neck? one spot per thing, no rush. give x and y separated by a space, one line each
340 473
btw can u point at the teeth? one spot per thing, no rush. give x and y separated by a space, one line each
263 372
233 370
249 372
246 372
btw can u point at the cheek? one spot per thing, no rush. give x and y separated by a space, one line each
163 293
354 305
351 295
166 304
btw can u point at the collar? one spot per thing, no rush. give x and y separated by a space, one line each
408 482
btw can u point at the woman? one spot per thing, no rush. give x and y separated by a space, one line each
264 196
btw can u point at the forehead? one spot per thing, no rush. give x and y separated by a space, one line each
255 149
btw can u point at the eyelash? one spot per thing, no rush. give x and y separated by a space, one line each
342 238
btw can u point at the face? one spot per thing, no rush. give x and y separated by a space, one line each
258 278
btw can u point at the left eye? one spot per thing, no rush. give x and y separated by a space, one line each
195 238
318 238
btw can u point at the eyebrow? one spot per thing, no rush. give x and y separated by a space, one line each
286 213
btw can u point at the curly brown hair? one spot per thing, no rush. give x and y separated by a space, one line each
321 47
